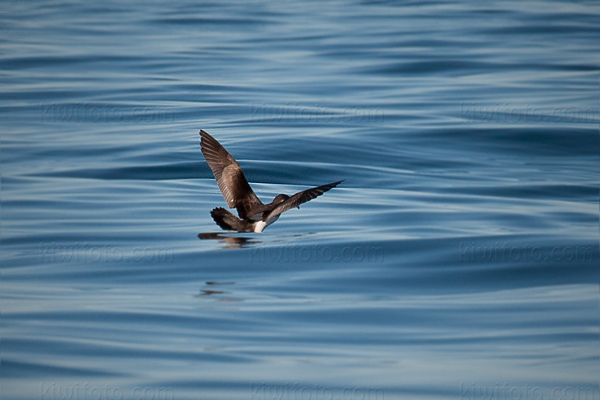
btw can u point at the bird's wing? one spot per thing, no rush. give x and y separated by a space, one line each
230 177
300 198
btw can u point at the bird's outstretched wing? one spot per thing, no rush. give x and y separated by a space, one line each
230 177
300 198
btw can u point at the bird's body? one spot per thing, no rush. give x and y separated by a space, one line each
254 216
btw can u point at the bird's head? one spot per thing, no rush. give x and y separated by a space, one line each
280 198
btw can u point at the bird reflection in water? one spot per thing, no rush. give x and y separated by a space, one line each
229 242
216 294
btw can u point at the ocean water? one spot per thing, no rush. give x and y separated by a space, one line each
458 259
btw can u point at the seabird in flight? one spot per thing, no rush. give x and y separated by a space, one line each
254 216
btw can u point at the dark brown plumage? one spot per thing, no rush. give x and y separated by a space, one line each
254 216
230 177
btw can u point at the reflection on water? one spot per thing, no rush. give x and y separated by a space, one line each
218 295
229 242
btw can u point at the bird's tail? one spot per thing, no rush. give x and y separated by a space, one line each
228 221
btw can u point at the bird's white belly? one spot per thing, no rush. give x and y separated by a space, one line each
261 225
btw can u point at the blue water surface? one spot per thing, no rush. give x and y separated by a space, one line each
458 259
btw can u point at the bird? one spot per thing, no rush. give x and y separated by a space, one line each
254 216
